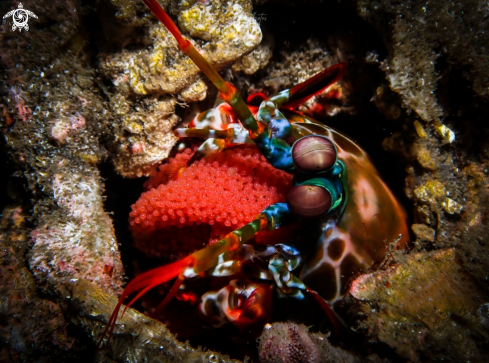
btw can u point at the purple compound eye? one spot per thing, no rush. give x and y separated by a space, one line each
314 154
309 201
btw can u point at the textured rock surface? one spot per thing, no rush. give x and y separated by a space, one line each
56 121
30 325
81 245
435 51
447 180
142 135
427 306
421 33
252 62
292 343
53 121
222 31
102 81
56 116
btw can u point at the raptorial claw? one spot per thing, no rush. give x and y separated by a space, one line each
303 91
196 263
242 302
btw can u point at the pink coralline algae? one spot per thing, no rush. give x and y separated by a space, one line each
294 343
23 112
63 127
210 198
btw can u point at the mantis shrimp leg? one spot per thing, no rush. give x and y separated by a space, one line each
273 147
273 217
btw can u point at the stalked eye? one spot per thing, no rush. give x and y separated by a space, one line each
314 154
309 201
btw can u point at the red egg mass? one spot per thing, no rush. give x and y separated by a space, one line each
188 207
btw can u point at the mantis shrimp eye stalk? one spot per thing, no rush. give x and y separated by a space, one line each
309 201
314 154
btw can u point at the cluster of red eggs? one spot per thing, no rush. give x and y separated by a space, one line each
201 203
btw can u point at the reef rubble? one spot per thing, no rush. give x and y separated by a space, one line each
426 307
149 82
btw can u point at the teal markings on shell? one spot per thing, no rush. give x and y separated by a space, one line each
372 218
276 127
278 215
276 151
269 114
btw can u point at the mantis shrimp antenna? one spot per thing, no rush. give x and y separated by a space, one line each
227 91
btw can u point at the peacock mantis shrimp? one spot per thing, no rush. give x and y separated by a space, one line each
334 185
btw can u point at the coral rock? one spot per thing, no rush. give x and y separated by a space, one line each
424 232
229 30
257 59
426 306
81 245
143 137
291 343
